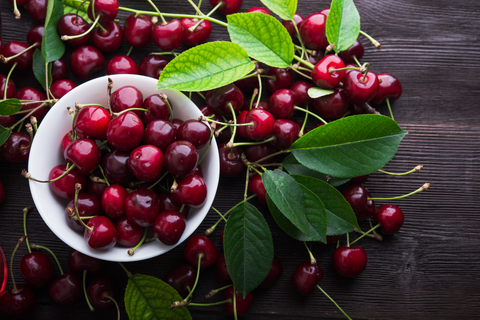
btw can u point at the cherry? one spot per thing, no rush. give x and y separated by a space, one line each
199 35
129 233
199 245
113 200
97 293
286 133
17 304
168 227
358 89
260 10
325 11
181 278
191 190
92 121
84 154
168 36
24 61
125 132
85 61
159 133
227 6
115 166
167 203
196 132
60 87
312 31
332 106
306 277
66 289
255 185
78 262
263 124
121 64
7 121
26 94
96 188
35 35
281 104
157 108
273 275
16 148
231 164
242 304
257 152
152 66
300 92
349 261
358 180
109 38
357 197
102 234
282 79
138 30
220 98
36 269
107 9
88 205
11 88
181 157
389 88
126 97
37 10
142 207
145 162
390 217
72 24
59 69
222 272
65 186
323 74
355 50
315 56
288 24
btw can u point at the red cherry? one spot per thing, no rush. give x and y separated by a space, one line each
159 133
282 79
152 66
31 94
36 269
181 157
157 109
181 278
85 61
191 190
113 200
286 133
194 131
242 304
220 98
16 148
355 50
198 244
349 261
168 227
84 154
263 124
168 36
126 97
78 262
260 10
231 164
92 121
125 132
17 304
197 36
390 217
306 277
102 235
357 197
121 64
332 106
167 203
60 87
72 24
11 88
300 92
35 35
65 186
281 104
129 233
97 292
24 61
273 275
228 6
88 205
389 88
288 24
115 166
257 152
146 162
107 9
360 88
255 185
222 272
322 74
142 207
312 31
66 289
59 69
109 38
138 30
37 10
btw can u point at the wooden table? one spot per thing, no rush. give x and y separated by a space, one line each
428 270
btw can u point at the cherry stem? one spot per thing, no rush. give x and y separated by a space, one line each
215 291
310 113
422 188
348 239
304 62
257 163
28 114
66 38
369 108
210 304
192 28
219 213
356 61
6 59
103 174
164 98
36 246
302 129
158 11
227 124
346 315
85 291
416 169
131 252
106 295
367 68
6 81
363 235
26 210
129 274
376 235
117 114
234 131
212 132
299 38
109 94
389 108
296 69
200 256
158 180
197 9
245 192
235 303
374 42
16 12
11 262
29 176
345 68
253 143
78 187
313 261
223 217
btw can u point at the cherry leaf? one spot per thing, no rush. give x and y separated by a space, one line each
207 66
316 92
248 263
4 134
38 67
343 24
76 6
52 46
10 106
285 9
147 297
351 146
263 37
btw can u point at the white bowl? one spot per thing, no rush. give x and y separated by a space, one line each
45 153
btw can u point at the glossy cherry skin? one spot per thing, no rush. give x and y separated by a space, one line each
300 92
65 186
32 94
24 61
113 200
84 154
59 69
7 121
66 289
152 66
263 124
257 152
228 6
159 133
196 245
35 35
273 275
86 61
129 233
92 121
88 205
142 207
259 10
37 10
12 150
231 164
181 157
125 132
355 50
157 109
194 131
167 203
103 235
11 88
138 30
168 227
283 79
286 133
126 97
168 36
191 190
358 89
36 269
181 278
306 277
389 87
357 197
146 162
71 24
390 217
312 31
78 262
332 106
255 185
281 104
108 39
96 291
122 64
107 9
60 87
242 304
18 304
349 261
96 188
288 24
322 74
115 166
199 35
220 98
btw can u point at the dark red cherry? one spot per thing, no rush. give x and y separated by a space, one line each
220 98
167 203
323 74
65 186
315 56
231 164
288 24
37 10
126 97
282 79
59 69
129 233
60 87
35 35
152 66
221 271
191 190
97 293
66 289
349 261
109 38
113 200
194 131
159 133
36 269
199 35
358 180
390 217
263 124
257 152
312 31
31 94
197 245
78 262
17 304
146 162
181 157
255 185
96 188
281 104
125 132
168 227
355 50
332 106
11 88
138 30
72 24
157 109
7 121
300 92
389 87
357 197
228 6
306 277
24 61
242 305
168 36
142 207
85 61
286 132
92 121
88 205
84 154
16 148
273 275
107 9
115 166
102 235
122 64
360 88
259 10
181 278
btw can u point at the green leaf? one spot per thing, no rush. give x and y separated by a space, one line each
52 46
263 37
341 218
343 24
351 146
4 134
316 92
248 247
294 167
76 6
39 69
287 196
207 66
285 9
148 298
10 106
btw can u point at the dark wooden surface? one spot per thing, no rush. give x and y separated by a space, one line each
428 270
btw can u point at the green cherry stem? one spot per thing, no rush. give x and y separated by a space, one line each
8 78
215 291
253 143
389 108
6 59
299 38
129 274
346 315
356 61
304 62
78 187
158 12
36 247
66 38
416 169
164 98
375 234
313 261
27 175
348 239
103 174
422 188
11 262
210 304
28 115
235 303
116 304
26 210
310 113
257 163
374 42
363 235
200 256
158 180
304 124
85 290
212 228
197 9
192 28
117 114
297 69
131 252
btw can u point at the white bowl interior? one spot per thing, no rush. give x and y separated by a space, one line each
45 153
